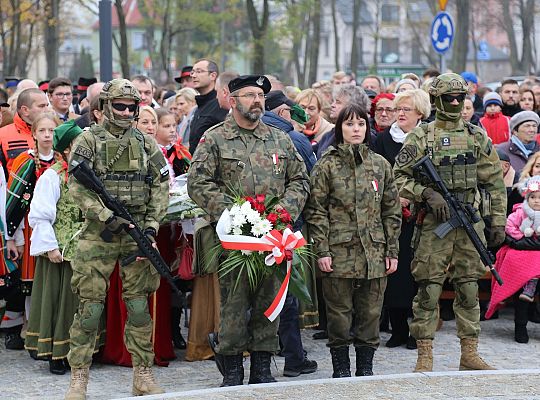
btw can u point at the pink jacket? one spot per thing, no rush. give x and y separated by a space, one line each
514 221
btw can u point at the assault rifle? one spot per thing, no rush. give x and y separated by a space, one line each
87 177
461 215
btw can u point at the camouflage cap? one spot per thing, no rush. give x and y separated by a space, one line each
119 89
448 83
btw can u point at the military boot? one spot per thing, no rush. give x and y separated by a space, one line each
259 372
341 362
470 360
424 362
144 382
233 370
364 361
78 384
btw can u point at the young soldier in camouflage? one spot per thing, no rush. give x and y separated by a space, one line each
243 151
466 161
354 217
133 170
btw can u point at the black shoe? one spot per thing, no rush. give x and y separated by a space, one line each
395 341
307 367
259 371
520 334
57 367
364 361
218 358
33 354
14 341
411 343
341 362
233 370
320 335
66 364
179 342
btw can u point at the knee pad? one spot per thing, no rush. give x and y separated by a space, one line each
467 294
90 315
138 314
428 296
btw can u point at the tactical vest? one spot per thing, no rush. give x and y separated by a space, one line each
122 165
454 154
68 217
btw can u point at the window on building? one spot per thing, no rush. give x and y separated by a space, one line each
390 50
390 13
137 40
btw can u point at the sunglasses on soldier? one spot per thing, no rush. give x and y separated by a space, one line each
123 107
448 98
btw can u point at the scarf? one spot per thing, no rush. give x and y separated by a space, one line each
531 221
397 133
314 131
527 149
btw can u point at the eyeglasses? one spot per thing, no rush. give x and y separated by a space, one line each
197 71
388 110
252 96
404 109
124 107
63 95
448 98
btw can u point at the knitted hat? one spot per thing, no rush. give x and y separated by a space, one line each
531 185
469 77
64 135
522 117
404 81
492 98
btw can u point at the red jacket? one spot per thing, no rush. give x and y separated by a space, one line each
15 138
497 127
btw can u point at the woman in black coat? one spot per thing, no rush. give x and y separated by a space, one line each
412 106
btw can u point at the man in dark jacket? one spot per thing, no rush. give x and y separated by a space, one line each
208 112
278 114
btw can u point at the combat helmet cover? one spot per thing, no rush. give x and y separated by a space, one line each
448 83
118 89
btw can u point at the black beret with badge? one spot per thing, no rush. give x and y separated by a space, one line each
243 81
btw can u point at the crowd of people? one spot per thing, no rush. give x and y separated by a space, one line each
342 157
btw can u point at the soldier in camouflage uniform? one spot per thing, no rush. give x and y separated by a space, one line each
133 170
354 217
469 166
243 151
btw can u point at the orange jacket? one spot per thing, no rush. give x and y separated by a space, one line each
15 138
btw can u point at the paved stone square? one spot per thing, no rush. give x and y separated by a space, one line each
24 378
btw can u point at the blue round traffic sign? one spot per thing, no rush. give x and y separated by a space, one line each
442 32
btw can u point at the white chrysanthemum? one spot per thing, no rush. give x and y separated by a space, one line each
237 231
266 226
234 210
262 227
253 216
239 220
245 207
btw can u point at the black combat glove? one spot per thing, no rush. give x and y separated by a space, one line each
150 234
115 225
496 236
437 204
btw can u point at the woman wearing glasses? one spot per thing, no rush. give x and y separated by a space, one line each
383 112
410 108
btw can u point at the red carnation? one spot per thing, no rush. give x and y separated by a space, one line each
250 200
260 198
272 217
284 216
259 207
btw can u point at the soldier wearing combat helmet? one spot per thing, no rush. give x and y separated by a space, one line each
132 169
469 166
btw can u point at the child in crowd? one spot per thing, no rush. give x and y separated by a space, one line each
525 222
175 152
494 122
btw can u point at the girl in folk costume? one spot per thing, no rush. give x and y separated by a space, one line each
55 221
174 151
26 169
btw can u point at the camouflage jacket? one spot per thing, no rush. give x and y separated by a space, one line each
488 167
262 162
88 147
353 212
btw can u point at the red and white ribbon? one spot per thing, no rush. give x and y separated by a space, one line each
279 245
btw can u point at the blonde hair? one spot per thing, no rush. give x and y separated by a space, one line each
309 94
418 97
149 109
188 94
51 117
527 169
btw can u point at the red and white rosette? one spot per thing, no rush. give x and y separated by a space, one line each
279 245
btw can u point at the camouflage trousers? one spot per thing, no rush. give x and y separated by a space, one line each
435 259
243 326
92 265
346 297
